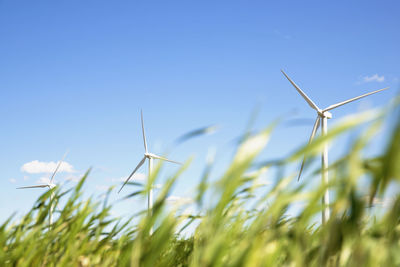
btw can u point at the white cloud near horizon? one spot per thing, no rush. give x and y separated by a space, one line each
46 167
12 180
373 78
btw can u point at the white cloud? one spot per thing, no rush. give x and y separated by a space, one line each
373 78
12 180
46 167
26 177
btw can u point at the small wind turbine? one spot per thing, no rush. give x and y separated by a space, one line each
322 116
150 157
50 185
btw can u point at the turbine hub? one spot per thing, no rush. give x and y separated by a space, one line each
148 155
327 114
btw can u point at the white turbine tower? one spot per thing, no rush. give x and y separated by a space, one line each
322 116
50 185
150 157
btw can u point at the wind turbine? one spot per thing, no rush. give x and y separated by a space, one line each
322 116
150 157
50 185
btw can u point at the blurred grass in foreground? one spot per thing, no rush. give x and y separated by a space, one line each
230 231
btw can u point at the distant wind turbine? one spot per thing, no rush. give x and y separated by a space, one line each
322 116
150 157
50 185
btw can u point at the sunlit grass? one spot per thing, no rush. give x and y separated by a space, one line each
229 231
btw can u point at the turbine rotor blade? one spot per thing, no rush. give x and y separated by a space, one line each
353 99
314 131
144 135
58 166
137 167
309 101
162 158
33 186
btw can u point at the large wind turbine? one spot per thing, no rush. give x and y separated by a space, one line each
50 185
322 116
150 157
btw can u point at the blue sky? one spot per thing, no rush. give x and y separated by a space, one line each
75 74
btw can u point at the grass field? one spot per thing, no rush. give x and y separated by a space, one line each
363 229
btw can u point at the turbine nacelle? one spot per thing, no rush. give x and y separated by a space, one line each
324 114
149 155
